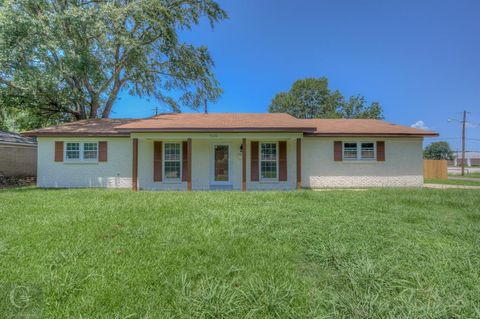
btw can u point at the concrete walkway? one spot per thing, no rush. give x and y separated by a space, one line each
446 186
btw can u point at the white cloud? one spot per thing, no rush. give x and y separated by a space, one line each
419 124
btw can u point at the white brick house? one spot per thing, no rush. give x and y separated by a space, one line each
229 151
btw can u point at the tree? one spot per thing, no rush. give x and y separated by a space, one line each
69 59
438 150
311 98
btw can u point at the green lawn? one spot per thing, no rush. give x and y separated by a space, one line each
117 254
473 174
452 182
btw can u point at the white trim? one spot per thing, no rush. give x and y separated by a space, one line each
277 150
359 151
165 179
80 159
212 165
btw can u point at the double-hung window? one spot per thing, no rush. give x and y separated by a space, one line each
359 151
76 151
172 161
268 161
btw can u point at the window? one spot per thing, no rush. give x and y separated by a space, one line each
350 151
268 160
76 151
90 151
172 161
368 151
72 151
359 151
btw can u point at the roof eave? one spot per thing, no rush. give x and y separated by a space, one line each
208 130
432 134
73 134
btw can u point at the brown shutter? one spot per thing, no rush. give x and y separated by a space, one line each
184 161
254 161
381 151
337 151
282 158
58 151
157 161
102 151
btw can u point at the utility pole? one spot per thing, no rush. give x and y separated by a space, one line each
463 141
156 110
206 106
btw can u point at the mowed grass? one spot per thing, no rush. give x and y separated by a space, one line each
412 253
467 174
452 182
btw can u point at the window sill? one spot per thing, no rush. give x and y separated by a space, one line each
361 162
271 181
172 181
81 162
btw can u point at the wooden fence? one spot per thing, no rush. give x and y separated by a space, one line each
437 169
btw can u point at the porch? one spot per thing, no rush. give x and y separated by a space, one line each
216 161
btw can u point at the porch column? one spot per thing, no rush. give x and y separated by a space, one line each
189 164
244 164
135 165
299 163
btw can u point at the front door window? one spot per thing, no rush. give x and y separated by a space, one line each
221 163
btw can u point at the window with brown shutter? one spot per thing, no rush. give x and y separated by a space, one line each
102 151
337 151
184 161
380 151
58 151
282 157
157 161
254 161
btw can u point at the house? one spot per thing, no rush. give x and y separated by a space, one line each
18 155
188 151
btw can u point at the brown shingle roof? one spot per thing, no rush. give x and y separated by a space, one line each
362 127
220 122
230 122
93 127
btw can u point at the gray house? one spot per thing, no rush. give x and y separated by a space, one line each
18 155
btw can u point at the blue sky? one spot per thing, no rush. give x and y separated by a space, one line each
419 59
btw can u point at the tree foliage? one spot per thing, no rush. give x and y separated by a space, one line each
438 151
312 98
69 59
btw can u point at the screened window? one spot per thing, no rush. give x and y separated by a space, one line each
350 151
360 151
72 151
368 151
90 151
77 151
172 161
268 160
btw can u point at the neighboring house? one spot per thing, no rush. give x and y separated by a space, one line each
229 151
18 155
471 158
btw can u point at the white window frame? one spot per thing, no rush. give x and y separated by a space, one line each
359 151
164 154
81 150
260 161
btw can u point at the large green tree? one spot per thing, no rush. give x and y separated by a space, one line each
438 151
312 98
69 59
